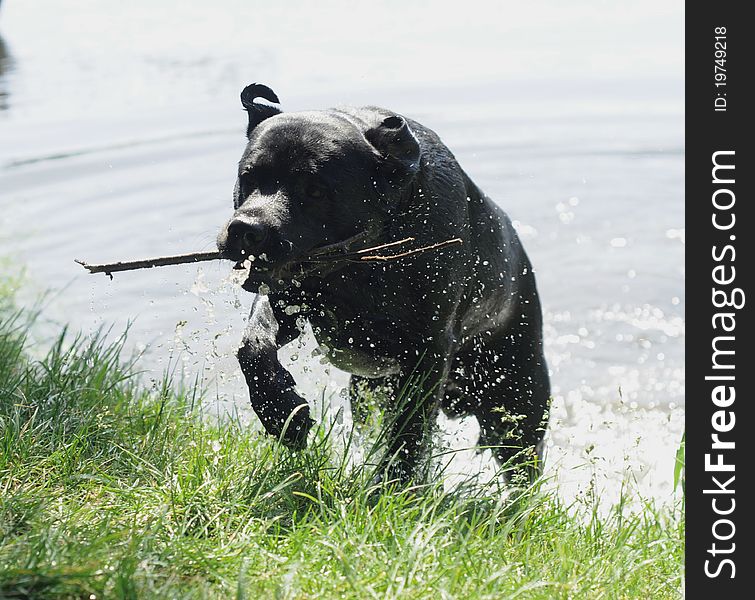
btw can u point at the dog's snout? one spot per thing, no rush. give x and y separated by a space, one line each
247 236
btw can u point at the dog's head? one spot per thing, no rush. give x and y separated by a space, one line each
312 179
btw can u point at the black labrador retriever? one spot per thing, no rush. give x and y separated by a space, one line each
461 322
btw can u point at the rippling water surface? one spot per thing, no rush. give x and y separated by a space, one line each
120 129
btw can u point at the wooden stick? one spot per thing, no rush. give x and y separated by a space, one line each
356 256
375 258
388 245
319 257
148 263
342 245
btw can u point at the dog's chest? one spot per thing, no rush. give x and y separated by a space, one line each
358 337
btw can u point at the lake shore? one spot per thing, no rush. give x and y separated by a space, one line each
112 488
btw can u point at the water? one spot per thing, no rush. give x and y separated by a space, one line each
120 129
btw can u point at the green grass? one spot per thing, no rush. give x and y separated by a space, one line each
109 489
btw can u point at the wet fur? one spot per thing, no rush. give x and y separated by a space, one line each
468 316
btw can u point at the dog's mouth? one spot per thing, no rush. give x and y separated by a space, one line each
262 276
265 275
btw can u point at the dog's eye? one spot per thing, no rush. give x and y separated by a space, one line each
248 182
315 190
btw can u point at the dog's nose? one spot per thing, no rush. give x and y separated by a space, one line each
247 236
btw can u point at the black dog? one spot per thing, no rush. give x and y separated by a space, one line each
464 320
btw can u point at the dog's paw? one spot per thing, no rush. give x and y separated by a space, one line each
295 429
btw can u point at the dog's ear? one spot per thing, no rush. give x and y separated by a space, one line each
258 112
395 140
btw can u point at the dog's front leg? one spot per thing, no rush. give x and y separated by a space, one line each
421 387
283 413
